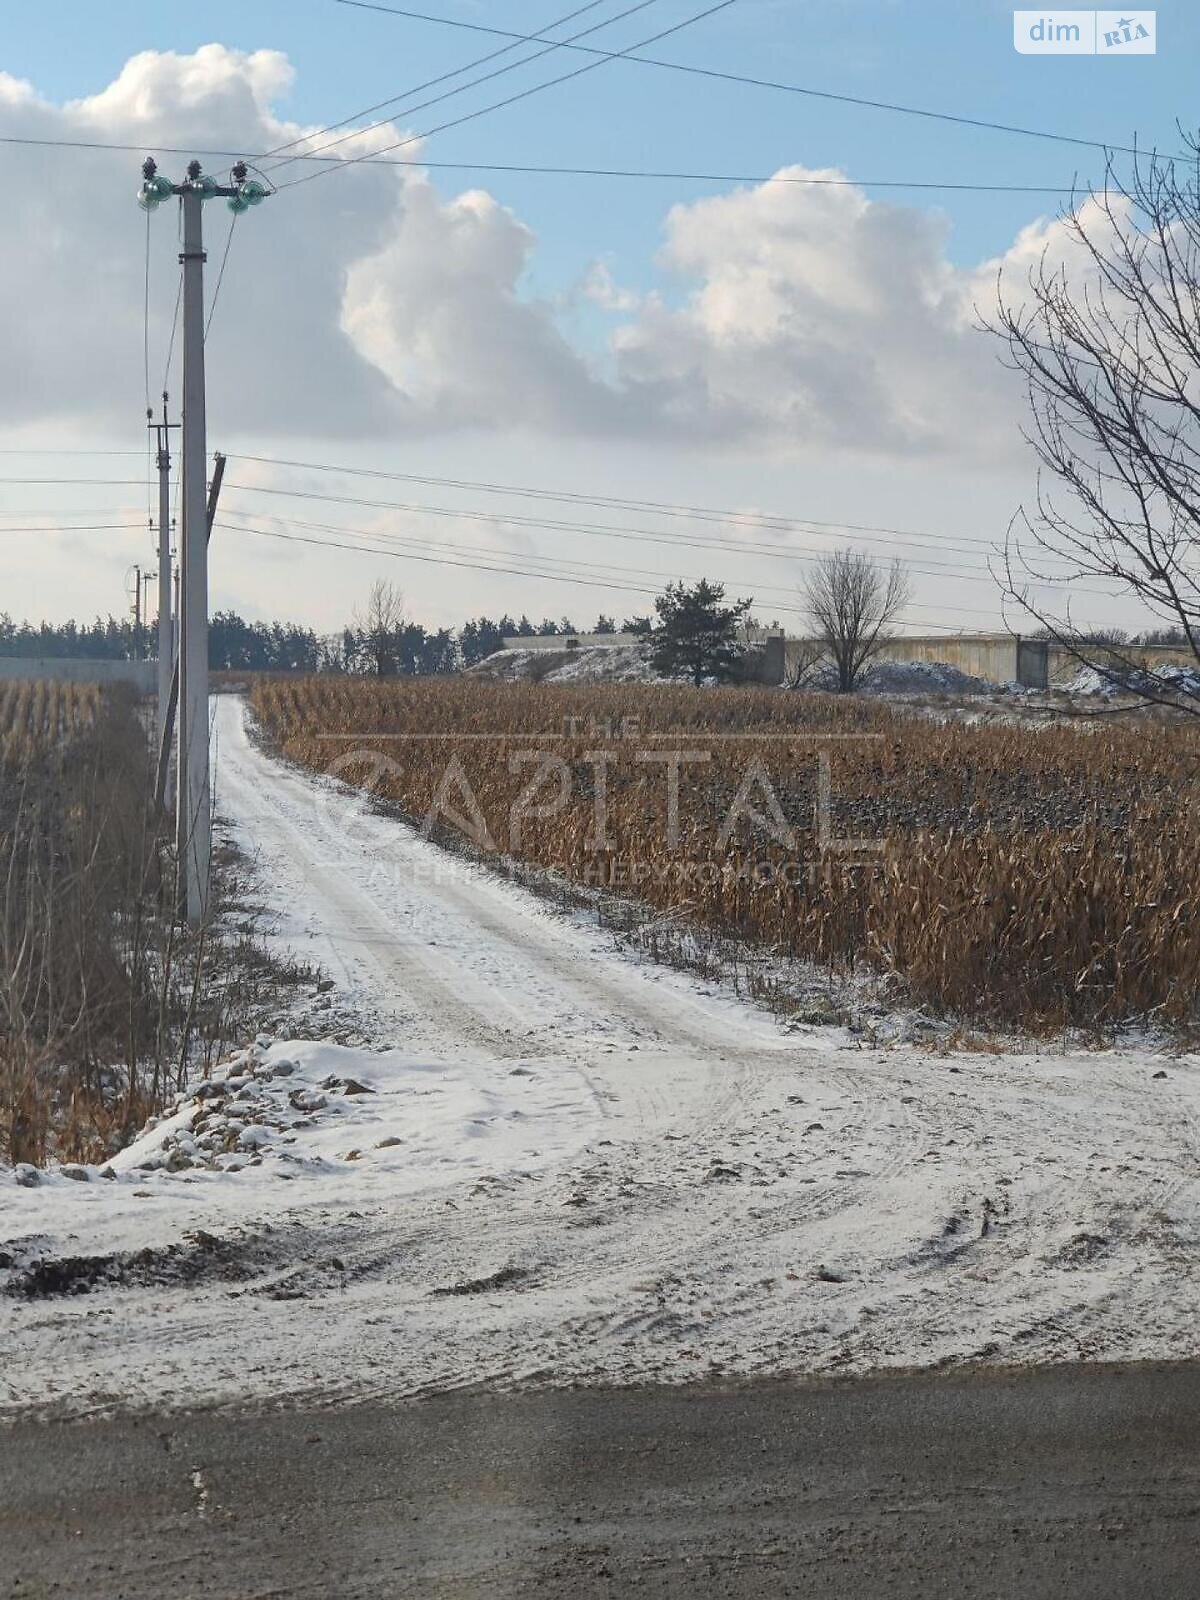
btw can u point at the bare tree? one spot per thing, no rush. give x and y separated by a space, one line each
379 624
1106 333
851 603
804 658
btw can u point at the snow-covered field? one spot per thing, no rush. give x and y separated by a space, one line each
555 1163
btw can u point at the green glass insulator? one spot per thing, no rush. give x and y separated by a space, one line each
154 191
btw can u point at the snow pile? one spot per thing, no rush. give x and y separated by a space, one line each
600 663
886 676
923 677
1117 680
290 1109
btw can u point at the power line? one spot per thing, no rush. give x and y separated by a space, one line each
212 309
497 72
713 177
570 567
792 553
474 566
79 527
576 172
146 374
431 83
524 94
70 511
146 316
171 340
766 83
770 521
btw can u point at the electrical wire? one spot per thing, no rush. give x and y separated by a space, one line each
592 568
431 83
487 77
146 376
590 172
146 317
770 521
713 177
541 524
474 566
767 83
77 527
171 342
922 565
212 309
523 94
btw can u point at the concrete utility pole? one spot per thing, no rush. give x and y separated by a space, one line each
137 608
194 802
166 629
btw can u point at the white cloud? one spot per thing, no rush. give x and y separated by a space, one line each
816 316
438 310
800 316
75 349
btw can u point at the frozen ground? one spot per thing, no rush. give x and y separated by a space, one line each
557 1164
608 663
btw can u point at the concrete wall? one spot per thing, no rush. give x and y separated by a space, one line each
998 657
1064 666
567 641
74 669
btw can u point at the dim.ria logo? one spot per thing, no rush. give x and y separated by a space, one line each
1073 33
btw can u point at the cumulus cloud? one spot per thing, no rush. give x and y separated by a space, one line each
790 317
803 316
815 316
438 310
278 357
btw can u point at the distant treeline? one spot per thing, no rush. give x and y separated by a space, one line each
237 645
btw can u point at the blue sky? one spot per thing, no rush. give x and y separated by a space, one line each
953 57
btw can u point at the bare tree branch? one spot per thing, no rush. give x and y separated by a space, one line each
851 603
1107 336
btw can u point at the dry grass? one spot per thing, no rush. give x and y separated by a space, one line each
105 1002
1027 877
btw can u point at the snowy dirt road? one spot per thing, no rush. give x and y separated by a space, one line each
574 1166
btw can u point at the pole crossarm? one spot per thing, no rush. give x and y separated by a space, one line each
241 194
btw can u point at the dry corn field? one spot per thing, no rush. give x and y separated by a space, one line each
1032 876
36 714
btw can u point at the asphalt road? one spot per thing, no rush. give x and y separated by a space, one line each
1061 1482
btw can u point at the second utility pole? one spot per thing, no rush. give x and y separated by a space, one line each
166 632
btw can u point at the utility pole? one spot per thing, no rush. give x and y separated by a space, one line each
136 645
166 630
194 801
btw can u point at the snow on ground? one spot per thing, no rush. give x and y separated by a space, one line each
886 676
629 664
1183 680
559 1164
599 663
